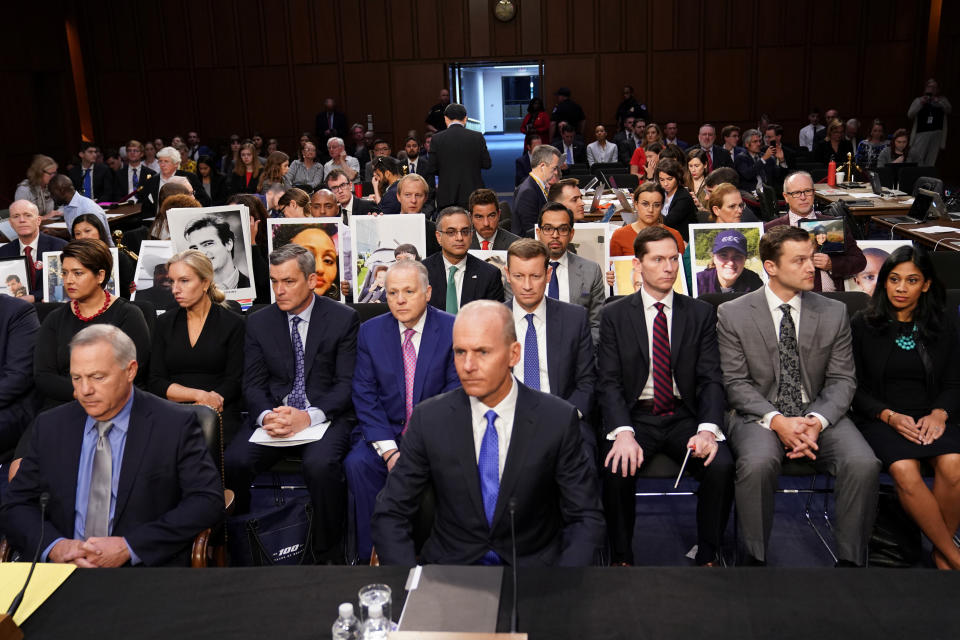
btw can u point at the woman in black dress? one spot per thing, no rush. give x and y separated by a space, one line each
907 352
198 347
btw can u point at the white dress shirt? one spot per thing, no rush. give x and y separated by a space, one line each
563 277
491 239
540 324
826 281
457 277
807 135
774 302
33 248
503 424
383 446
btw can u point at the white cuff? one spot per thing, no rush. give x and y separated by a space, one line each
824 423
613 434
712 428
317 416
383 446
768 418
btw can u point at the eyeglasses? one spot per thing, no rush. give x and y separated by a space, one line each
280 210
340 187
562 230
452 233
803 193
52 172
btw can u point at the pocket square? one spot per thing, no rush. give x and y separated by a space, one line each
474 276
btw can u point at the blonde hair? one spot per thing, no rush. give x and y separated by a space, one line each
201 266
39 164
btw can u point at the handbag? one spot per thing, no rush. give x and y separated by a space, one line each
895 541
281 534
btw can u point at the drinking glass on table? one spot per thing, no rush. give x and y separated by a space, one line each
375 594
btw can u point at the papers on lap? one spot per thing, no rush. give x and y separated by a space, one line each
308 435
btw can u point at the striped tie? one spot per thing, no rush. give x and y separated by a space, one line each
662 374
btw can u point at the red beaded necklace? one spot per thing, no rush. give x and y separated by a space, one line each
76 308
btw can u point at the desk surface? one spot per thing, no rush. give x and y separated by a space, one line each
939 241
554 604
886 206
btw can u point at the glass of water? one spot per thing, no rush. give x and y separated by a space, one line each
375 594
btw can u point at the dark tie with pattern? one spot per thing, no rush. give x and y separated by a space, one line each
488 465
97 523
531 356
31 267
789 397
298 394
553 290
662 372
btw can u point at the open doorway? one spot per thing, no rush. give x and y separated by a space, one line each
496 95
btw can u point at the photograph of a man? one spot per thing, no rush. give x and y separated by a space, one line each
223 235
214 239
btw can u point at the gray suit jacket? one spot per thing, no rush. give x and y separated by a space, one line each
749 356
501 241
586 289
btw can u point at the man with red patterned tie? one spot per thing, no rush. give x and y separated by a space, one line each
403 357
716 155
662 392
31 244
485 216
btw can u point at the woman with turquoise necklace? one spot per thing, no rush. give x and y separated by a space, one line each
908 393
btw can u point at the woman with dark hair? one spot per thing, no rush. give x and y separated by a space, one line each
648 203
278 163
898 151
246 170
87 225
679 209
213 183
696 176
537 121
908 392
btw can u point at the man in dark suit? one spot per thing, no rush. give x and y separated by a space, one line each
169 160
753 166
784 156
716 155
572 151
531 195
831 268
330 123
90 178
300 354
30 243
167 489
493 451
557 352
403 358
522 166
670 136
133 176
18 337
456 277
417 163
485 215
342 188
456 157
195 150
660 389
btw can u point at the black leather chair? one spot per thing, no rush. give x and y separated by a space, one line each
947 266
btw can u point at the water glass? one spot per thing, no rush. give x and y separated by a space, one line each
375 594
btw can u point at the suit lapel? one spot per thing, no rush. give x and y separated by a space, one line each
314 332
574 277
394 353
554 336
461 435
806 333
678 326
764 323
468 291
640 327
428 345
521 438
138 437
68 461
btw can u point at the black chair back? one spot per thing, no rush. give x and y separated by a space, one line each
210 427
910 175
717 299
953 302
855 300
608 167
45 308
625 180
149 313
506 215
370 310
947 266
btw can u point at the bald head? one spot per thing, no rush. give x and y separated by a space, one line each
323 204
25 220
485 350
488 311
61 188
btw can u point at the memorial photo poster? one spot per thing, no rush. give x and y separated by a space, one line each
14 277
876 252
726 257
373 241
151 278
322 237
497 258
827 234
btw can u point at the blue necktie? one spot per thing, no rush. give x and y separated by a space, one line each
88 183
553 290
136 178
531 356
570 155
489 468
298 394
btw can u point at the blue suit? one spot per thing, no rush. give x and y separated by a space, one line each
18 336
379 398
44 243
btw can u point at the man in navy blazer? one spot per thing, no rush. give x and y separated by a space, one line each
18 337
403 357
531 195
493 451
474 279
670 404
167 489
25 220
558 353
90 173
286 394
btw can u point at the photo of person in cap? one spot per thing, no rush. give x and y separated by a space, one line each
726 269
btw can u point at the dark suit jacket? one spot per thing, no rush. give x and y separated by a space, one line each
330 354
379 385
150 195
845 265
501 241
18 336
481 281
362 207
169 489
389 204
527 202
683 212
456 156
623 359
749 168
44 243
122 177
579 152
824 153
559 520
625 147
339 125
103 181
570 365
720 156
521 169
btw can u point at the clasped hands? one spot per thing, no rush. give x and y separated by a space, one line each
627 455
92 552
799 435
922 431
283 422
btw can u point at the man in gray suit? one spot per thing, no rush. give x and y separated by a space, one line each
790 390
484 211
574 279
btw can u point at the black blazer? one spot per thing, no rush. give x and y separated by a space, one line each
570 365
720 156
219 190
683 212
623 360
322 123
150 198
481 281
559 520
330 355
169 488
121 180
521 169
456 156
238 184
103 181
362 207
501 241
941 362
824 153
527 202
45 243
18 336
579 152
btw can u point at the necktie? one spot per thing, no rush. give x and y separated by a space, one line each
31 267
485 245
569 155
662 373
412 167
97 524
409 371
136 178
298 394
489 466
87 183
553 290
343 216
710 160
531 356
452 305
789 397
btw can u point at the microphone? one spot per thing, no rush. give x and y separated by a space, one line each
44 499
512 505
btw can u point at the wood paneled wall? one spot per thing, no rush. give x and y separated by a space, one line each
224 66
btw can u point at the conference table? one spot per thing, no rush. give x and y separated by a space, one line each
880 206
116 217
554 604
946 241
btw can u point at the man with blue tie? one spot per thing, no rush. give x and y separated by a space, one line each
403 357
90 178
494 452
557 354
300 354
